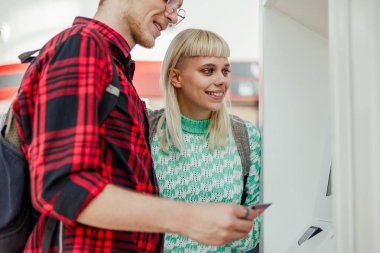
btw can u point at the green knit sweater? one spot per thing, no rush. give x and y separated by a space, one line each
198 175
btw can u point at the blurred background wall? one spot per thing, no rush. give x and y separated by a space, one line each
26 25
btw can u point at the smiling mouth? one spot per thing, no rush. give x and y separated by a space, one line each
159 27
215 94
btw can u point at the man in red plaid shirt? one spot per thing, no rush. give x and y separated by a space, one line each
97 180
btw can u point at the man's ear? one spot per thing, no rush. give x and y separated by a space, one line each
176 78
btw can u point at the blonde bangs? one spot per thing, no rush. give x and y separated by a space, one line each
205 43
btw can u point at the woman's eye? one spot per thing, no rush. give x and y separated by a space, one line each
207 71
226 71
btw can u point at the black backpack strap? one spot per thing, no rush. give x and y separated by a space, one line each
111 94
49 232
28 56
154 117
240 133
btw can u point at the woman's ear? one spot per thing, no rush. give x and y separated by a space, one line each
176 78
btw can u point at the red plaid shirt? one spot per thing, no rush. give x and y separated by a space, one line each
71 158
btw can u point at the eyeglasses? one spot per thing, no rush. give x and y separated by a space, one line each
172 6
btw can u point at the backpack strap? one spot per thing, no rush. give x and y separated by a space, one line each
28 56
240 133
111 94
154 117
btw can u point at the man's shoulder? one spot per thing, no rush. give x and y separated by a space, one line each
74 33
86 31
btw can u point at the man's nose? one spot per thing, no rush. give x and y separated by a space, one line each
172 15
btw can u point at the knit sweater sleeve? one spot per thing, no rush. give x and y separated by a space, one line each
252 188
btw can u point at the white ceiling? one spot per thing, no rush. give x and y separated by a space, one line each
311 13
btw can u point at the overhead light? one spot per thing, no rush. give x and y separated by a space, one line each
5 32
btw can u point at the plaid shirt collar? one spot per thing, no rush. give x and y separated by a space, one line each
112 36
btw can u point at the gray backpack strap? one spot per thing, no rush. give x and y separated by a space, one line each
153 121
240 133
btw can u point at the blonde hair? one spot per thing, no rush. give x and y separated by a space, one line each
189 43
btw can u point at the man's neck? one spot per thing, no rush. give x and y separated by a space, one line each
115 22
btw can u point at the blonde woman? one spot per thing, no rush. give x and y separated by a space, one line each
195 155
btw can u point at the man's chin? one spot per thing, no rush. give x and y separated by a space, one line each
147 46
147 43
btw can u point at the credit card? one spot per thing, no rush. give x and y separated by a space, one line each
261 207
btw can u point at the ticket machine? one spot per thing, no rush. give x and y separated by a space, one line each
295 122
318 232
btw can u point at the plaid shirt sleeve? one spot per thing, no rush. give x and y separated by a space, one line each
63 143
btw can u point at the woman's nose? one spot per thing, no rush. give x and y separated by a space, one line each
220 79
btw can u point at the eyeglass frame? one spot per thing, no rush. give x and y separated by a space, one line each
170 9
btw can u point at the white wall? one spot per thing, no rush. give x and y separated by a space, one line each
294 118
355 58
32 23
236 21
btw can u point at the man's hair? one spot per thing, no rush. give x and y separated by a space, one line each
191 43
